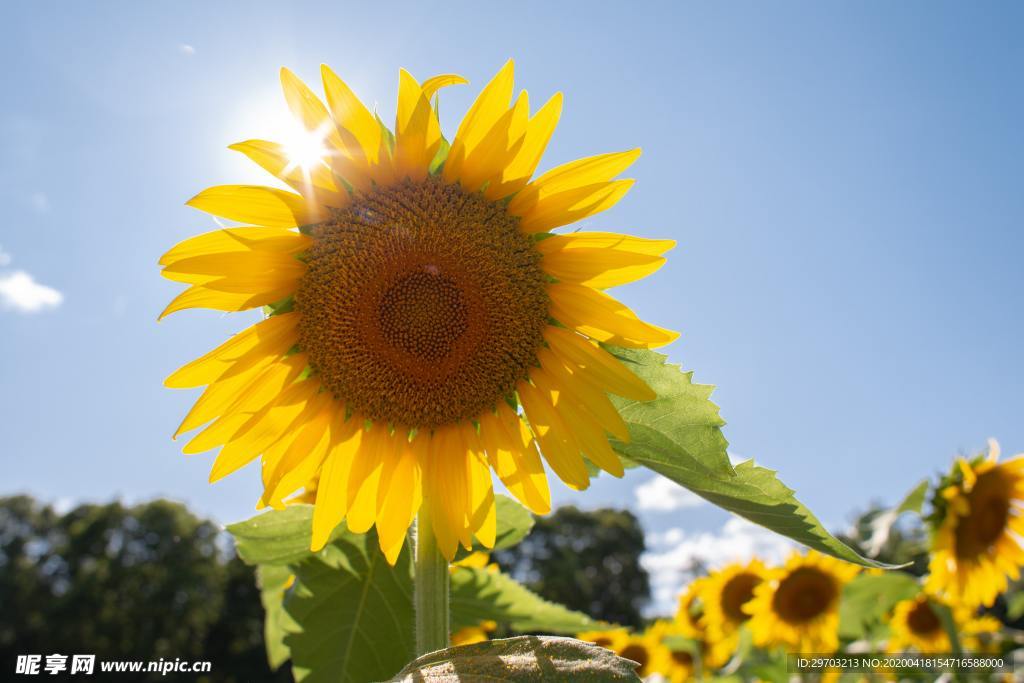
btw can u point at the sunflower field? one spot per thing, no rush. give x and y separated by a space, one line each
433 320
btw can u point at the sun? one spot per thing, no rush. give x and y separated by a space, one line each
426 326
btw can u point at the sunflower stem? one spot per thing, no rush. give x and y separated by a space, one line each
430 583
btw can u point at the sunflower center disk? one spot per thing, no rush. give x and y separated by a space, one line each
422 305
803 595
989 505
922 620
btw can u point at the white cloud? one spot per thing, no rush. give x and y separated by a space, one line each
186 49
5 258
20 292
675 554
663 495
39 201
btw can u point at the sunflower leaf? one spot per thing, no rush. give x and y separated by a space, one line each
881 526
479 595
277 537
679 435
350 616
273 581
524 658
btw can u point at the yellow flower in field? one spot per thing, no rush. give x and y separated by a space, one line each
644 649
915 624
674 665
690 614
976 546
473 634
797 606
723 595
427 326
612 639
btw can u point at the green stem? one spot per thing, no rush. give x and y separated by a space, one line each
431 589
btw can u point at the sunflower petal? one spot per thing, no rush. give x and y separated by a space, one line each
557 443
600 316
513 455
228 240
257 205
516 174
563 208
273 158
435 83
575 174
417 132
489 106
596 362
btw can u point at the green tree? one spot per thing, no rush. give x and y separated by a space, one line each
588 561
127 583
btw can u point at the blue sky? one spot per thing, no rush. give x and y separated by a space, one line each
844 183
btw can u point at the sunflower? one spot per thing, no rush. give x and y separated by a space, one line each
645 649
425 325
916 624
797 605
977 524
474 634
690 614
723 595
611 639
673 665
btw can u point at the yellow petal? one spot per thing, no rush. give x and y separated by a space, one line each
308 108
497 148
597 363
352 115
482 517
452 454
207 295
434 491
589 395
517 173
513 455
236 265
417 132
257 205
398 499
569 206
267 426
270 337
575 174
490 105
364 478
277 240
598 315
557 443
316 180
601 259
303 457
331 489
217 397
587 431
435 83
259 393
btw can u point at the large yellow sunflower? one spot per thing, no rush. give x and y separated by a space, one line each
426 325
797 605
976 543
723 595
915 624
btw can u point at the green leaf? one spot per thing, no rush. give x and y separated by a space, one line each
277 537
479 595
679 435
525 658
868 598
883 523
273 582
514 522
1015 606
350 613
